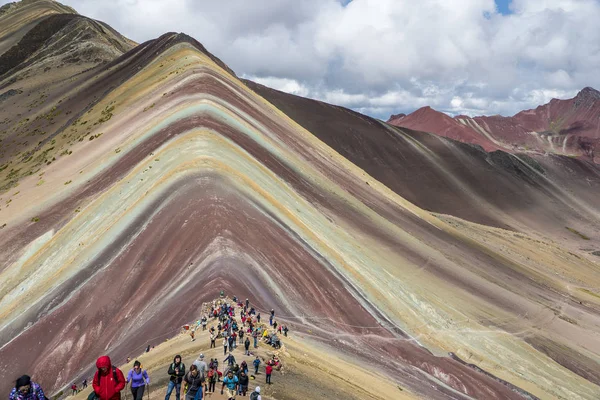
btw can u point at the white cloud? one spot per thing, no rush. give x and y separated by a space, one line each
385 56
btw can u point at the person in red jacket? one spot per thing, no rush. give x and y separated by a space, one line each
269 371
108 380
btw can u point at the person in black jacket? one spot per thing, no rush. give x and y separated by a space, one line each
242 382
176 372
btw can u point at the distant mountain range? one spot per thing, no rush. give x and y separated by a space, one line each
569 127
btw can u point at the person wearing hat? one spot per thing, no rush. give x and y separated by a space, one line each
256 394
25 389
108 380
202 368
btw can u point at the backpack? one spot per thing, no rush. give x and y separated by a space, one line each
114 371
254 396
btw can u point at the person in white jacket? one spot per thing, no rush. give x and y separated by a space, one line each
256 394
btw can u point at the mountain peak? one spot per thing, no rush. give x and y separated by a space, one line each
48 4
587 95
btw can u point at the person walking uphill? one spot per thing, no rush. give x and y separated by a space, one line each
195 384
25 389
108 380
139 379
231 381
176 372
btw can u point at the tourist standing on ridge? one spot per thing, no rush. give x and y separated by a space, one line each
269 371
139 379
176 372
25 389
195 384
231 381
108 380
256 363
247 346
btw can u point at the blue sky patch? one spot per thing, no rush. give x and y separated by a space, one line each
503 6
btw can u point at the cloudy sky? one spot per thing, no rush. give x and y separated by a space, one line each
387 56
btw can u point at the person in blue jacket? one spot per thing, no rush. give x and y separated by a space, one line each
139 379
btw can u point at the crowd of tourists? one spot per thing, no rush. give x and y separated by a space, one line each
236 324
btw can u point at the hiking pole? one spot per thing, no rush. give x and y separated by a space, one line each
148 391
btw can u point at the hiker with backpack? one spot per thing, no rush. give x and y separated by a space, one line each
26 389
194 381
231 381
176 373
211 378
108 380
256 394
256 363
139 379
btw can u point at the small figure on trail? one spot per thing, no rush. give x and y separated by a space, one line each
274 324
243 383
255 337
176 373
73 389
201 365
256 363
148 349
195 384
139 379
224 346
211 377
128 360
256 394
108 380
193 334
247 346
231 381
272 313
230 359
84 384
258 317
269 371
25 389
247 303
271 320
285 330
244 367
213 340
